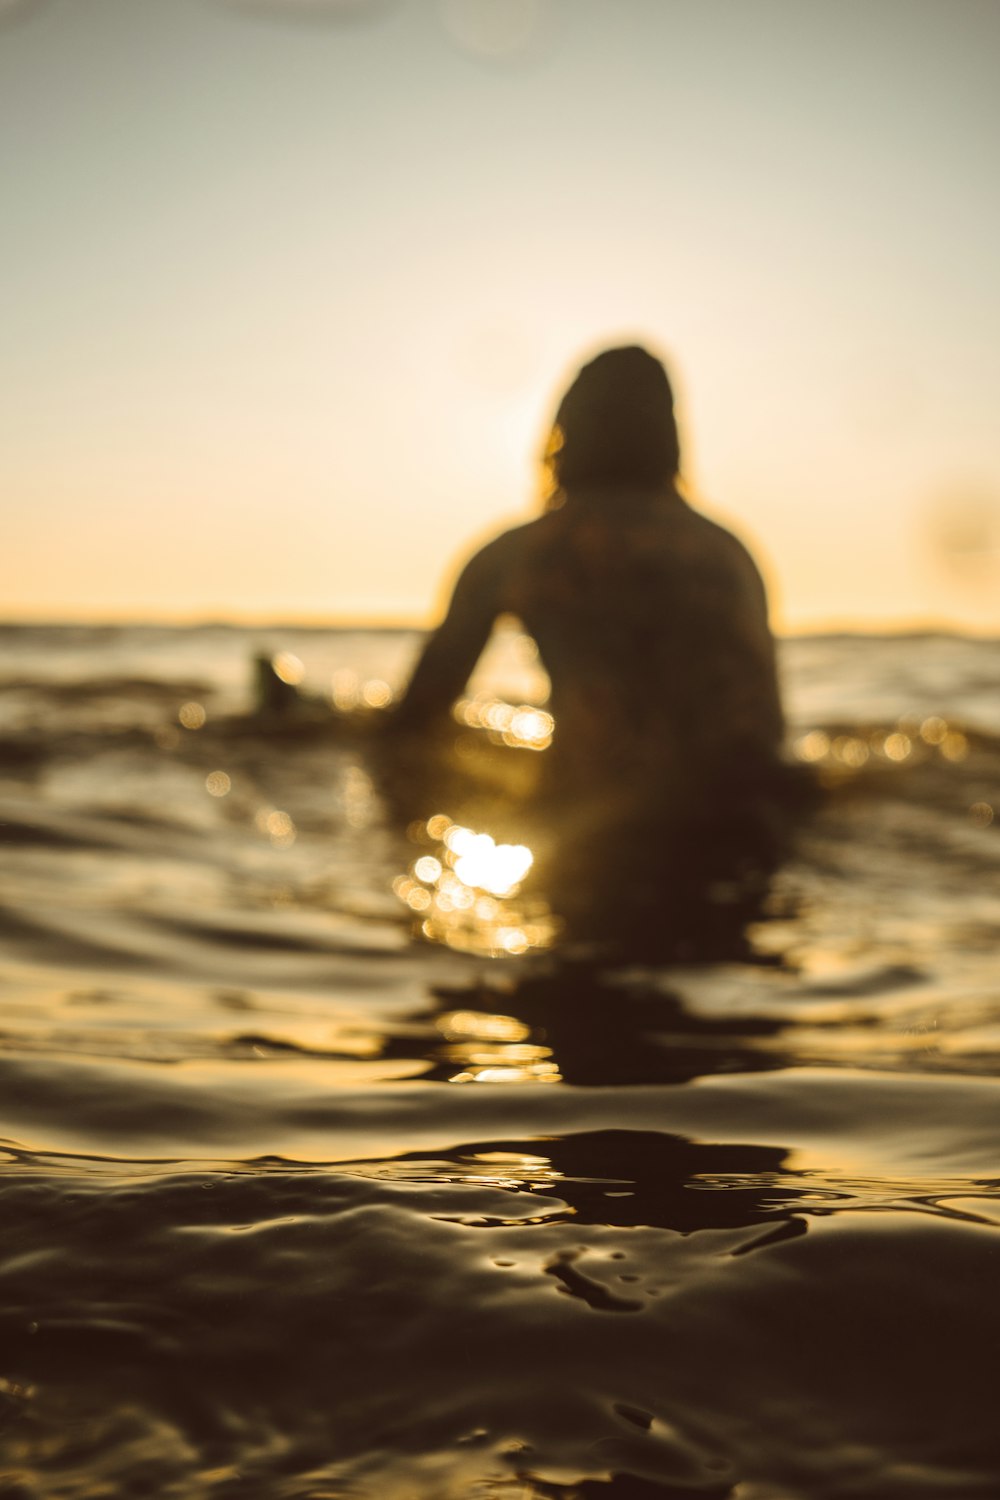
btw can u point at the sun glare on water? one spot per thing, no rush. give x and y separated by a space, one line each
468 892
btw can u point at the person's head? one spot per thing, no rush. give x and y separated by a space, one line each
615 426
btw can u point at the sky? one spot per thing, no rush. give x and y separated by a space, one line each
290 289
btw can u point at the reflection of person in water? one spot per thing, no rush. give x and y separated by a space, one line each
651 620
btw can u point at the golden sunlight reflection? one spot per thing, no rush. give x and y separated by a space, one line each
934 731
288 667
509 1055
218 784
278 826
520 728
479 1025
535 1073
479 861
515 1159
850 750
813 746
345 689
192 715
910 740
502 1169
468 892
349 692
897 746
376 694
494 1049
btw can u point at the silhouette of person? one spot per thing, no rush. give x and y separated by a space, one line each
651 619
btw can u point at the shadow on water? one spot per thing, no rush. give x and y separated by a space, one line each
629 1178
582 1024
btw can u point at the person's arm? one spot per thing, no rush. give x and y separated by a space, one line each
451 653
760 639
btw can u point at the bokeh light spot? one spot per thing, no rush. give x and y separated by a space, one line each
897 746
192 715
376 694
288 667
812 746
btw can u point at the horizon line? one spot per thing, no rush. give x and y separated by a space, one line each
235 620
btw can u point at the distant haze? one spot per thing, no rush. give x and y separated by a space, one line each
290 289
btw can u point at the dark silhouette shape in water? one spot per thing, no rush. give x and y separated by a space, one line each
598 1030
665 775
274 698
667 1179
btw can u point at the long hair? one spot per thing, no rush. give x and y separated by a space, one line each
615 426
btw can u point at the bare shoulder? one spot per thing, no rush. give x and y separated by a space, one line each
508 550
717 543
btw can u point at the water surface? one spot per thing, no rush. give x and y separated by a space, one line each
299 1203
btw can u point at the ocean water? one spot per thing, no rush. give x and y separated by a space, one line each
331 1167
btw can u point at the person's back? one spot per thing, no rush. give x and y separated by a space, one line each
652 624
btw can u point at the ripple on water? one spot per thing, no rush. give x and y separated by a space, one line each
285 1327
